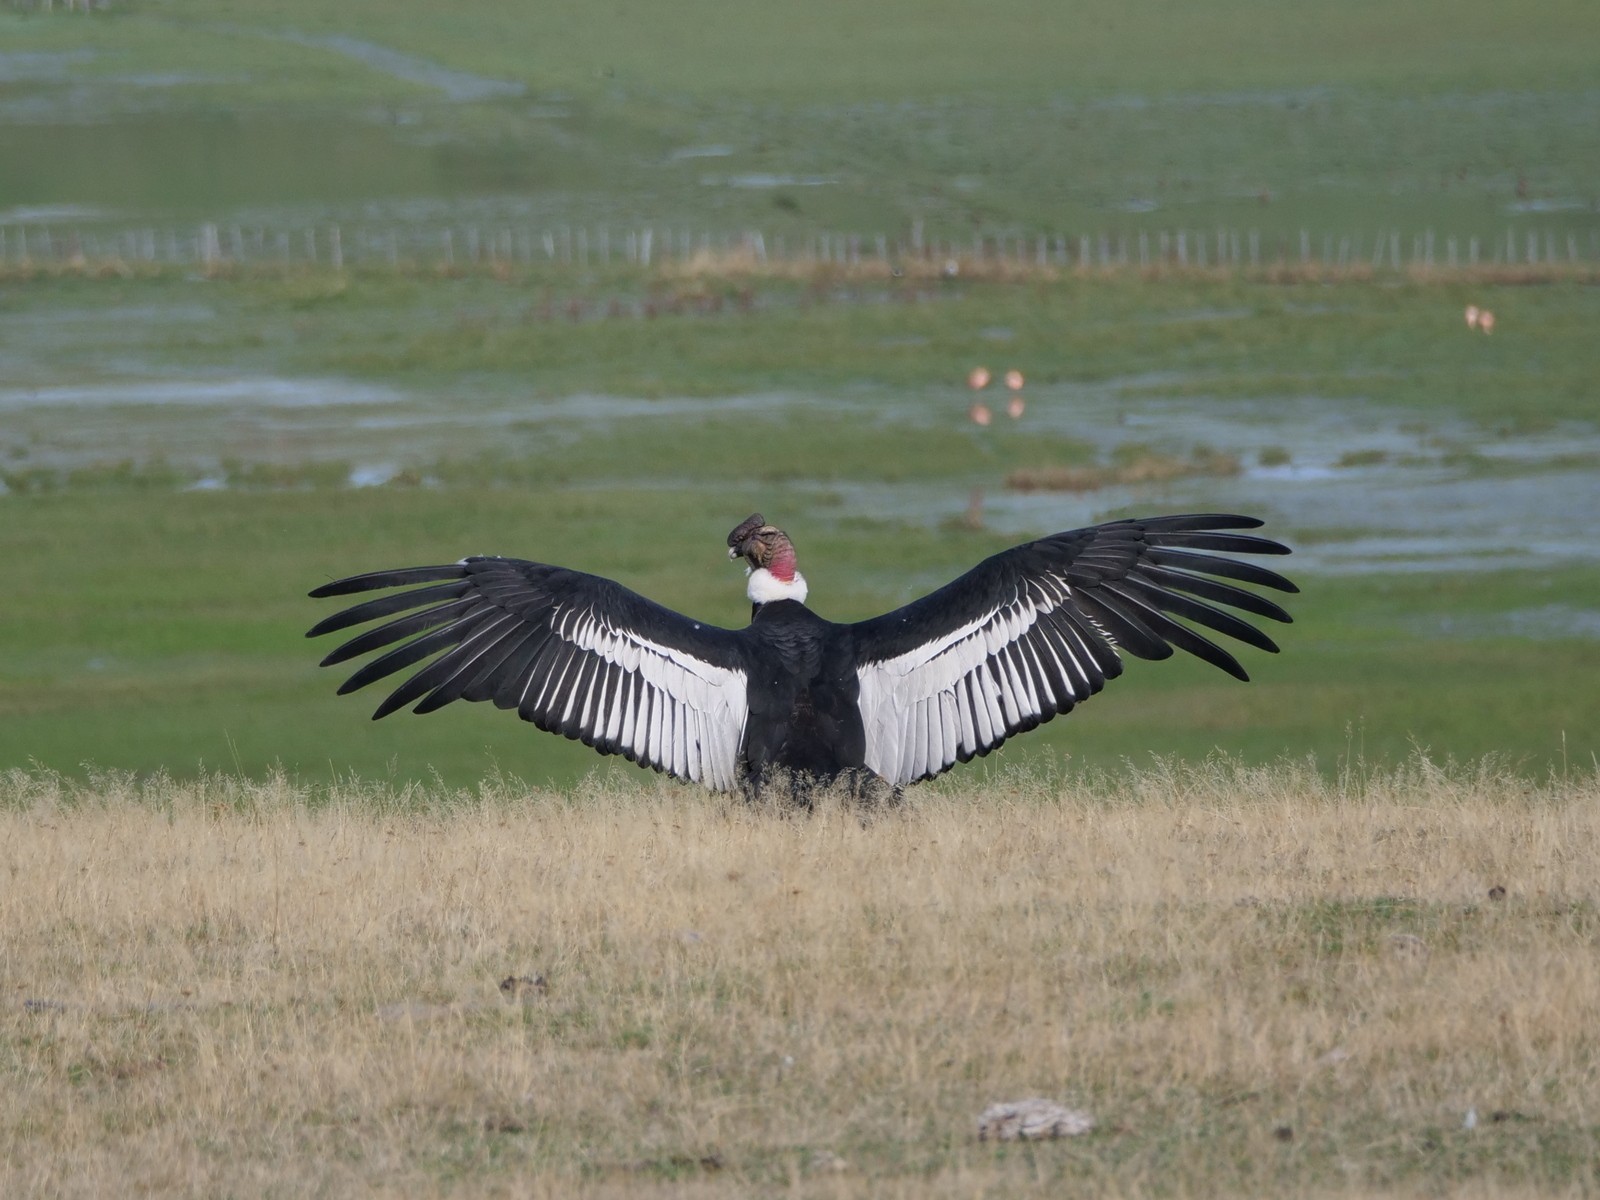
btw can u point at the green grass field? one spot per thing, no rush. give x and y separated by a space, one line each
150 630
1461 117
1394 343
149 627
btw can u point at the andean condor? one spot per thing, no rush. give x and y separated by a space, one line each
1017 640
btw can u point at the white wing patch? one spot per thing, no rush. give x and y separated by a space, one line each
963 693
625 693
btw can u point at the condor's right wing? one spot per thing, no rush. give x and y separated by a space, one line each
574 654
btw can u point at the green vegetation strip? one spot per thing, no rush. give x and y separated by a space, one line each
152 630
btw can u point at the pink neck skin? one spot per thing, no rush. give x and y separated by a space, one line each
782 565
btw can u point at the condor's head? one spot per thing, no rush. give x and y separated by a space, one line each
769 560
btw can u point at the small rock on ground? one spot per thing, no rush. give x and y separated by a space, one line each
1027 1120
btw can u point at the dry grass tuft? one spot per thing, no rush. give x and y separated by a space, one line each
1143 465
1256 980
743 262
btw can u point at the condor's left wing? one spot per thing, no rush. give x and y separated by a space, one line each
1029 633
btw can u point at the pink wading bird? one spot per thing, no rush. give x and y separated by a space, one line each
1016 405
1486 321
978 379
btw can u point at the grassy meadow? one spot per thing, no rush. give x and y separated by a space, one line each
151 626
1464 116
1255 980
1218 337
151 631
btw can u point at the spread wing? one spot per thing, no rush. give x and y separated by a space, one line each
1030 632
574 654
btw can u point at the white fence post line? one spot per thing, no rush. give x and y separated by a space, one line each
210 245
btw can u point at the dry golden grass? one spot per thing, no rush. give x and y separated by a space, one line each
743 262
1256 980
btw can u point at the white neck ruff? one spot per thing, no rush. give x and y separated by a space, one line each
765 587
